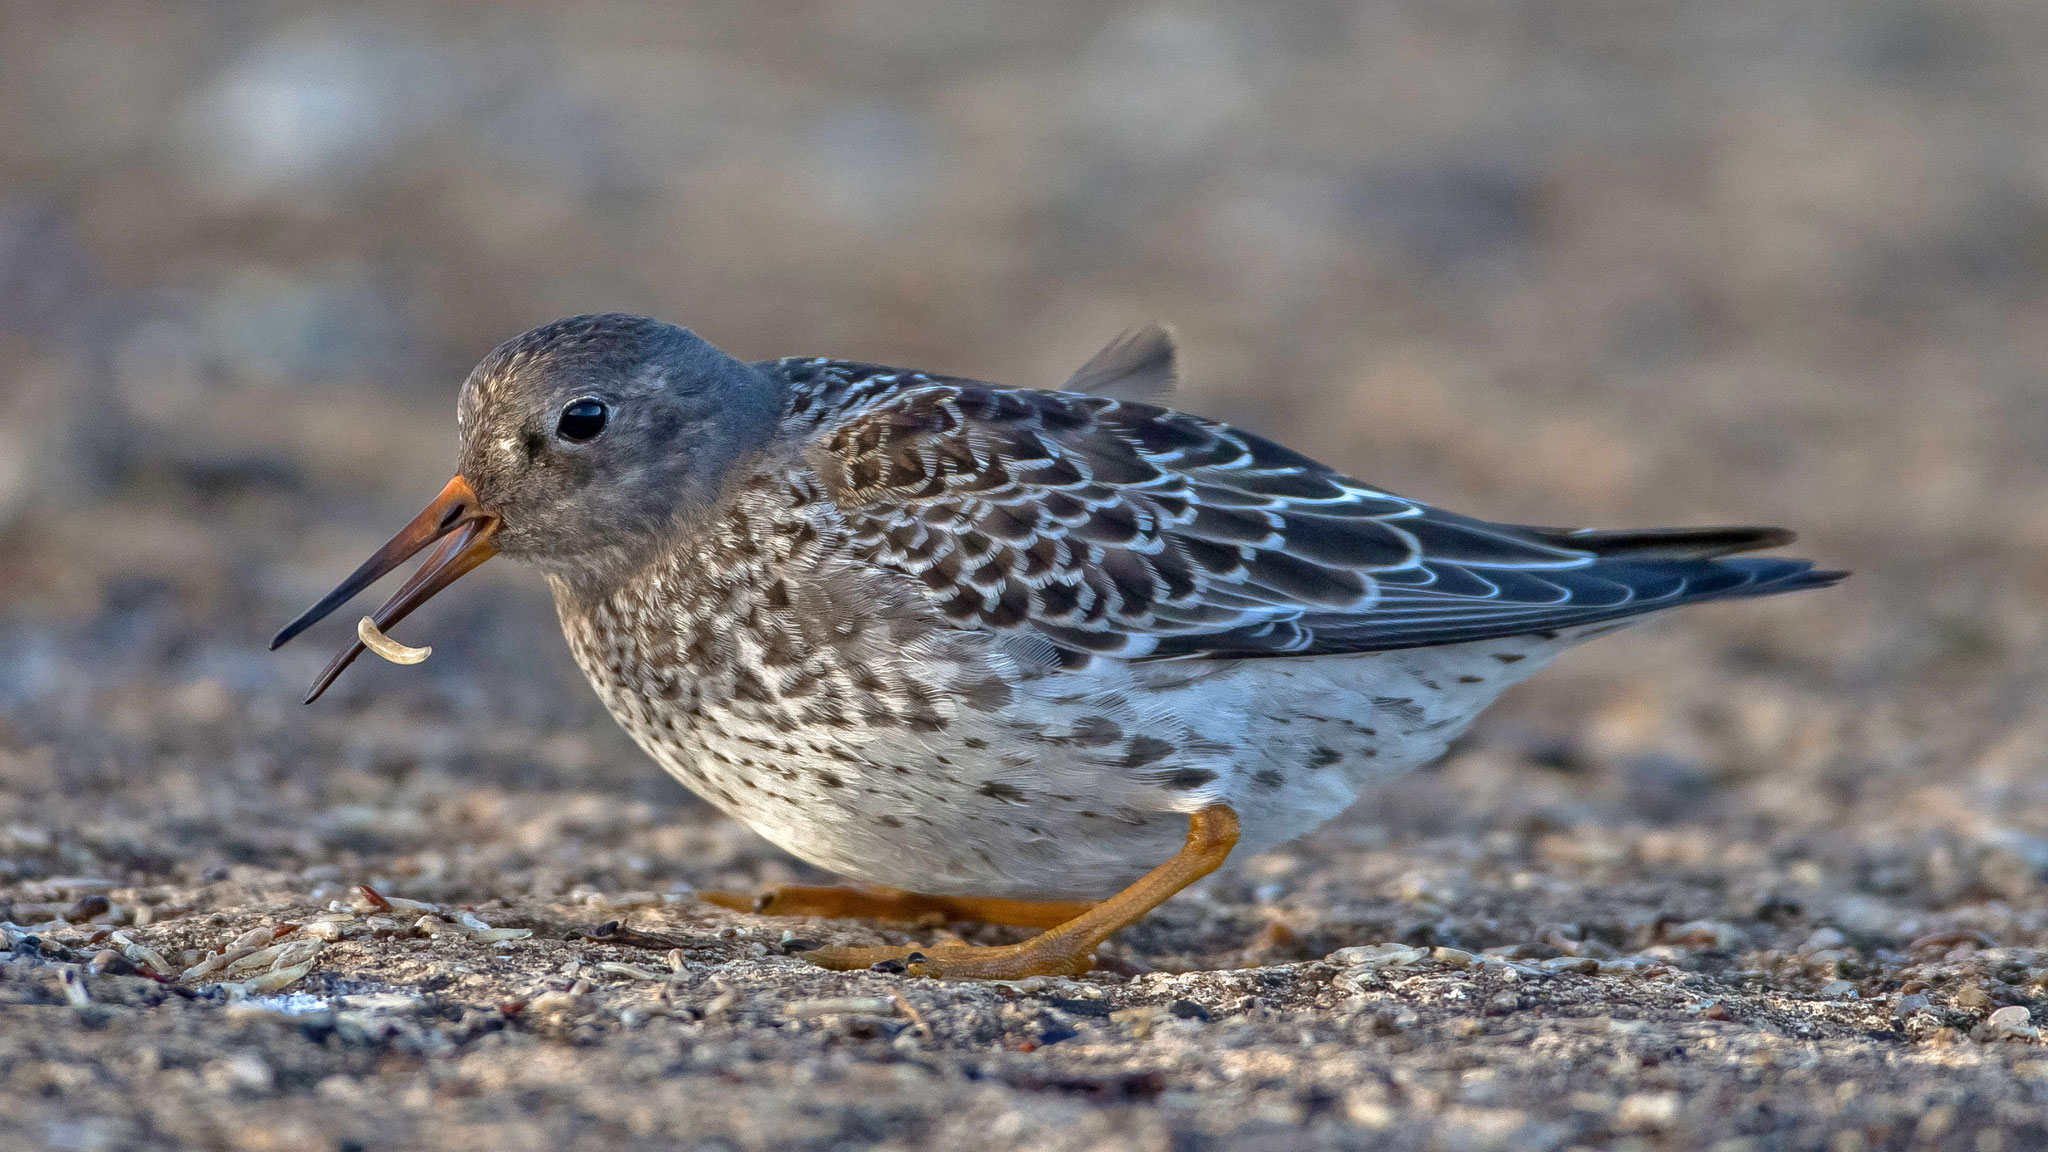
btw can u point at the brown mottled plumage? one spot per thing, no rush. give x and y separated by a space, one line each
978 641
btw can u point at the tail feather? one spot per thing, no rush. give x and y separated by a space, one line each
1666 543
1768 576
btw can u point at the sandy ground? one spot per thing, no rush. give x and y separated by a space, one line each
1439 980
1760 876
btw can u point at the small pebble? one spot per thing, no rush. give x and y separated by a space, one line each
1716 934
556 1001
500 935
109 962
840 1006
149 958
253 938
2013 1022
1379 956
278 979
1823 939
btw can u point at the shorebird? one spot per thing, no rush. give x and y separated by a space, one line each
1022 656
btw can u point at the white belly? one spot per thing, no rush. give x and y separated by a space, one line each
1080 782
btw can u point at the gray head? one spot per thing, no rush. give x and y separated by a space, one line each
586 444
591 438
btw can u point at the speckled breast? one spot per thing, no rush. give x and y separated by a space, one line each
825 704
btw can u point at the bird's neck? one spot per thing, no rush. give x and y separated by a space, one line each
735 526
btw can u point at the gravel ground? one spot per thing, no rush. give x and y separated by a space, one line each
1760 876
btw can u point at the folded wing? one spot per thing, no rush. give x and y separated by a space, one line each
1116 528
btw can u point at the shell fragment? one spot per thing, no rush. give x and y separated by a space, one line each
376 641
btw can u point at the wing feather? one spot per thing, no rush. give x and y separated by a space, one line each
1113 527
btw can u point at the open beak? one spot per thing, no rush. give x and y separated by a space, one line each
465 532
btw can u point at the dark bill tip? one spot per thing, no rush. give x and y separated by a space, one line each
465 548
453 515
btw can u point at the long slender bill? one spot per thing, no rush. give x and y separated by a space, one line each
465 534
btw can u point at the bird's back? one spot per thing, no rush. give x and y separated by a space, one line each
1120 529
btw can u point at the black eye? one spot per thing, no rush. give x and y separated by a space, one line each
582 420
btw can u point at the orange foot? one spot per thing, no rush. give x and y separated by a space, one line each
1069 948
892 904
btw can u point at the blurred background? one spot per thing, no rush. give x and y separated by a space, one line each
1574 261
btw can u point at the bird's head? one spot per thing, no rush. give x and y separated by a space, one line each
586 443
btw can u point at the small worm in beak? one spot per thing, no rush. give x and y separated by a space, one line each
376 641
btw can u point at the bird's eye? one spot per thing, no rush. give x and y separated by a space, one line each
582 420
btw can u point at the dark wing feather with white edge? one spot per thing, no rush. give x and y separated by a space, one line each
1122 529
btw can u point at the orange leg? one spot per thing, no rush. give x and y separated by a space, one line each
892 904
1069 949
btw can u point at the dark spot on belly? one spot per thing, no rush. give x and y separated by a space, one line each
984 695
1402 707
1323 757
1268 778
830 781
997 790
1510 657
974 742
1145 750
1096 730
1471 679
1432 685
1369 753
748 686
1188 778
1091 815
